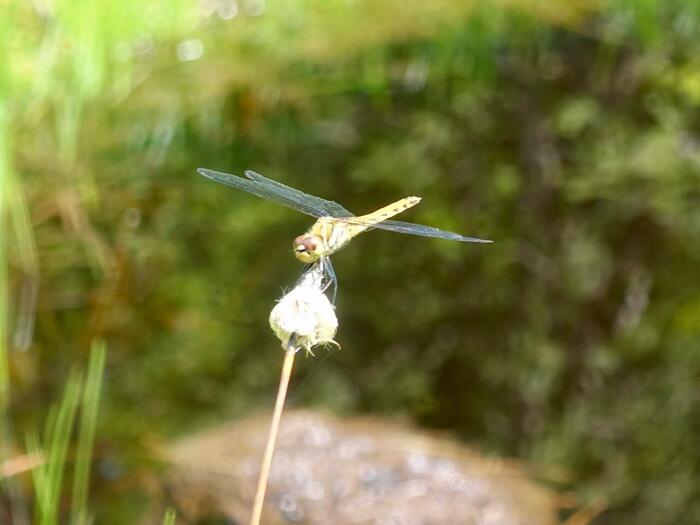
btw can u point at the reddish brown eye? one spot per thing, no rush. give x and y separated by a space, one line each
309 244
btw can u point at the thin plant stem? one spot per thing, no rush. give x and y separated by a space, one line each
170 516
272 437
86 433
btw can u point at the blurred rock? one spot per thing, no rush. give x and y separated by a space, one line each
329 470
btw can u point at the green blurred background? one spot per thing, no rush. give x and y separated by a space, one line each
567 132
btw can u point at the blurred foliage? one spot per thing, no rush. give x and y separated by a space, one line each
567 134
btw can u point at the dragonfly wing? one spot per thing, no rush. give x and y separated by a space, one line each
331 208
267 191
424 231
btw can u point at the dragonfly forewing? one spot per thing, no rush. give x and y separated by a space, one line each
267 191
331 208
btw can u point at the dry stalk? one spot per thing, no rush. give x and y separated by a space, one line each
303 318
272 437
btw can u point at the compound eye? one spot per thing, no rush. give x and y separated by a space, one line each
304 244
309 244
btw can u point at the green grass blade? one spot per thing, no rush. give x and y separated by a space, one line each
26 255
169 518
4 292
41 491
10 486
58 433
86 434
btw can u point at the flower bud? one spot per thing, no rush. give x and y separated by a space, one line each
304 317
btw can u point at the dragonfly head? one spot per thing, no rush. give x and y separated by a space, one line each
305 248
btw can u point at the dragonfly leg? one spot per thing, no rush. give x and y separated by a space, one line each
329 274
307 269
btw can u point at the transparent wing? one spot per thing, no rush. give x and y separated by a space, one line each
276 192
331 208
419 229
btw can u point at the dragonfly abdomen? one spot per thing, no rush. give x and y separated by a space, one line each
360 224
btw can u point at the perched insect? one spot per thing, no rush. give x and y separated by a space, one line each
335 226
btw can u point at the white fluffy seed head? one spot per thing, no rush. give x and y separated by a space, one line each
304 317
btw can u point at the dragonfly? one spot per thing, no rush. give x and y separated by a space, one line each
335 226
